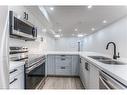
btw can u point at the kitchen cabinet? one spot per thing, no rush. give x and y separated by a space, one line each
75 65
17 78
65 65
89 74
82 71
94 77
50 65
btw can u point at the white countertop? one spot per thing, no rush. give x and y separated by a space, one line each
14 65
117 71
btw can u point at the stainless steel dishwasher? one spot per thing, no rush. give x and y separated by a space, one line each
108 82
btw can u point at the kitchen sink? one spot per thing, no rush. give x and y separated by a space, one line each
100 58
106 60
112 62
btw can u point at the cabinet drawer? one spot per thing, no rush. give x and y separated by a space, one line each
63 56
16 71
63 61
63 71
58 64
17 82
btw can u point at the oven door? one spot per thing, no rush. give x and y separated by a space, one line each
34 77
108 82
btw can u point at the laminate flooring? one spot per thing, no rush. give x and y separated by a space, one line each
63 83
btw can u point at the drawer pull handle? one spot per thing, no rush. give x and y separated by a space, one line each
13 80
62 58
62 67
13 71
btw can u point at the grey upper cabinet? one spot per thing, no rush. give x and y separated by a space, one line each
50 65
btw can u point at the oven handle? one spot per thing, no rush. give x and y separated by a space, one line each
106 83
42 59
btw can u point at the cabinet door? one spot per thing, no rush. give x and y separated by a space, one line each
50 65
82 71
94 77
75 65
86 73
17 82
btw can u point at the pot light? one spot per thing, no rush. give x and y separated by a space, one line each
57 36
51 8
44 30
80 35
73 34
90 6
76 29
92 29
104 21
59 30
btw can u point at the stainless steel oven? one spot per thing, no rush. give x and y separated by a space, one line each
35 73
108 82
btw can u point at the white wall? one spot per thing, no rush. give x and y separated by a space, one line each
38 46
67 44
116 32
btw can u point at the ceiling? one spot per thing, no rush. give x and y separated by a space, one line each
82 18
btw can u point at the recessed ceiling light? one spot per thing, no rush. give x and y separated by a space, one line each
104 21
59 30
76 29
90 6
73 34
80 35
85 34
57 36
51 8
44 30
92 29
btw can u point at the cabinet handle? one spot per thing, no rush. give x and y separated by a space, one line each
62 67
13 71
13 80
87 66
62 58
26 16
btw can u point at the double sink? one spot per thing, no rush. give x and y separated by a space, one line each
106 60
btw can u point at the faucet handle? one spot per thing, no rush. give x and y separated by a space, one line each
118 55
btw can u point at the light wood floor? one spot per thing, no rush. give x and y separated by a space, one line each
63 83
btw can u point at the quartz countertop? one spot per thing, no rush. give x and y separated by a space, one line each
119 72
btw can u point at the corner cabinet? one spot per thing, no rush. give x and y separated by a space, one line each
50 65
63 65
89 74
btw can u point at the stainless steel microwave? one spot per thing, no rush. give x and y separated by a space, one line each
20 28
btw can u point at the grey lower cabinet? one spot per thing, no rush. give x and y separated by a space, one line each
63 65
50 65
89 74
